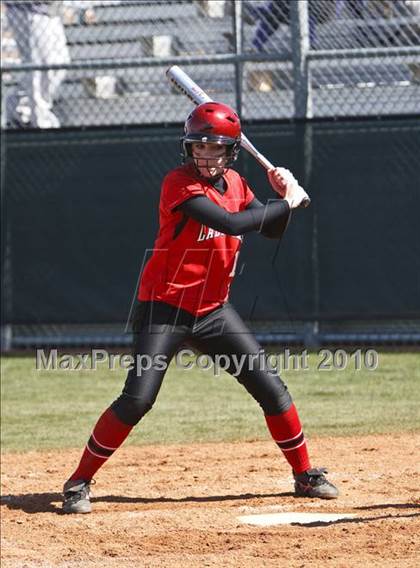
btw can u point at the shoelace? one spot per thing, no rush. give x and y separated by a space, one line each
80 493
314 477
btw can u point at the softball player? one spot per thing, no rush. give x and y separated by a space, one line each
205 208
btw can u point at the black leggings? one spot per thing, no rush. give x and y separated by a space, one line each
160 330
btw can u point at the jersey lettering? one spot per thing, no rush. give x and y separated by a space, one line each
208 233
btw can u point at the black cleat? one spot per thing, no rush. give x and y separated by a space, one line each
313 483
77 496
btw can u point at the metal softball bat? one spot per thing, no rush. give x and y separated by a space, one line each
195 93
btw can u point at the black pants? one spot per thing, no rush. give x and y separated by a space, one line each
160 330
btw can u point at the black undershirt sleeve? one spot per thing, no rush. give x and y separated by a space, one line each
270 219
276 228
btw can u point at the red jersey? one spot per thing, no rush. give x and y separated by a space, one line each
192 266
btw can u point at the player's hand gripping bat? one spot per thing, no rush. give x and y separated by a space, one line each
187 86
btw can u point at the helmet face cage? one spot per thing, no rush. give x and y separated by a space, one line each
212 123
232 151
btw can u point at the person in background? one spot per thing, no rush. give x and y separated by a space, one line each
269 16
40 38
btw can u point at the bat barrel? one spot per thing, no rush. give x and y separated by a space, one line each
186 85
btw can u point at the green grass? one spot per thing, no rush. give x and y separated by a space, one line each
54 409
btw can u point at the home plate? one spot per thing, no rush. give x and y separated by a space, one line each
272 519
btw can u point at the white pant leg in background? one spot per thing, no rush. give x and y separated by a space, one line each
48 46
19 103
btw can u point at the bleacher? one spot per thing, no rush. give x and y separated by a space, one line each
130 31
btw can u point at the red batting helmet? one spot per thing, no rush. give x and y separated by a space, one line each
213 122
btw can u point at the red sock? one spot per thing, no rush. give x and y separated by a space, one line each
107 436
287 432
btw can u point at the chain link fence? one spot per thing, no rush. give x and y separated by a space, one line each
89 63
80 213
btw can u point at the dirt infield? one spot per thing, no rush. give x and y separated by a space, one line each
178 506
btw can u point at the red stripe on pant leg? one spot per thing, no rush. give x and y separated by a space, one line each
284 427
110 432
